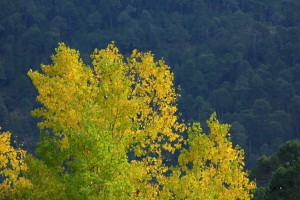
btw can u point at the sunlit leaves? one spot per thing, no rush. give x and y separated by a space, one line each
94 117
11 167
211 167
64 90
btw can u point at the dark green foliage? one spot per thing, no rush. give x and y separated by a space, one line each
239 58
279 175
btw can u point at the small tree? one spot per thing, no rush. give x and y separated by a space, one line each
210 167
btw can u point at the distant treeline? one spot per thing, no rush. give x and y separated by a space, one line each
236 57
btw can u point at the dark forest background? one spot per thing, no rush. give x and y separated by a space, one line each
240 58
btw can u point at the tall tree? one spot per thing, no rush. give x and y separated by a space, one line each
106 131
127 106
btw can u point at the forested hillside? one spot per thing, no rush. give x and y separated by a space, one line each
236 57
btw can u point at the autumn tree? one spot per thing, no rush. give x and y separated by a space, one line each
12 166
210 168
93 118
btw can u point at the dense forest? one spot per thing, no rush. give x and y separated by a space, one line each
236 57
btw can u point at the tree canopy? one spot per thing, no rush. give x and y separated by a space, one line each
278 175
106 132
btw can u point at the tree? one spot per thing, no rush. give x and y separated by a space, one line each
12 166
239 135
106 131
210 167
127 106
278 175
221 100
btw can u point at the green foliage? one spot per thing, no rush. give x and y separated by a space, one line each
231 54
278 175
92 118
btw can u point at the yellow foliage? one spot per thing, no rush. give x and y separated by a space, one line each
11 167
212 168
64 90
98 114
